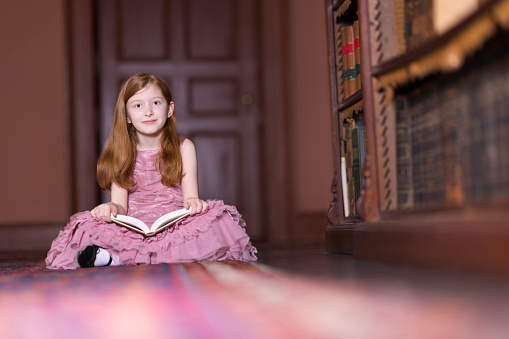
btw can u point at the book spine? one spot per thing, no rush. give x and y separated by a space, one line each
348 61
478 156
458 135
357 55
349 165
356 163
344 185
501 102
399 25
431 160
362 145
435 178
451 98
418 22
404 154
427 151
488 119
417 143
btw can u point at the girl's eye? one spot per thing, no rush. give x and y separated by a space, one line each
157 102
137 105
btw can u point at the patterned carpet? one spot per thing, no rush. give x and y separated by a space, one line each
222 300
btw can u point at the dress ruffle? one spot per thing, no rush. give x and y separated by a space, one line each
213 235
216 234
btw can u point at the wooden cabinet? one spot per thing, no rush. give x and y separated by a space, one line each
421 159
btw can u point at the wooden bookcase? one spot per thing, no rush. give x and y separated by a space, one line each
435 165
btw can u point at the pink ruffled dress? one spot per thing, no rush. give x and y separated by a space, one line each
217 234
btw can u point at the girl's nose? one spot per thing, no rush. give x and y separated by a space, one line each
149 112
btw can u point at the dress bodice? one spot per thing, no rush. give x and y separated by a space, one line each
149 198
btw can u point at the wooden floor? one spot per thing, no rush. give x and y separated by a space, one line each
459 297
487 294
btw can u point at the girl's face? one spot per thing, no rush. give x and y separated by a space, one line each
148 111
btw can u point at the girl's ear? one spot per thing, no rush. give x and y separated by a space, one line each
171 107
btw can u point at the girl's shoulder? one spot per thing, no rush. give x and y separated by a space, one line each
185 144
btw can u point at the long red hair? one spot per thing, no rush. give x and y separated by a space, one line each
117 161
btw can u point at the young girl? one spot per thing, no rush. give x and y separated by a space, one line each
149 171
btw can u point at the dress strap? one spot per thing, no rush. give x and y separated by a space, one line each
181 139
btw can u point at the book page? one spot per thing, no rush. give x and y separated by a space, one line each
169 218
131 223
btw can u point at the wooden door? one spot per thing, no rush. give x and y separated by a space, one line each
207 52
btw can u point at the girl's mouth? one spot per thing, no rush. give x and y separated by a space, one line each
149 122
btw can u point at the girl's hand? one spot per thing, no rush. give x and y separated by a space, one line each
104 211
196 204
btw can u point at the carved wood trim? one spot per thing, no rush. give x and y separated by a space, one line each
336 43
385 117
333 213
336 206
370 201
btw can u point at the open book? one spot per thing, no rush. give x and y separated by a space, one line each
160 224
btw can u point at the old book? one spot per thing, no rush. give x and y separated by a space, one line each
344 185
347 127
348 61
359 122
479 159
426 150
357 55
399 25
501 82
417 144
418 22
358 141
452 102
404 154
488 119
434 166
160 224
436 178
356 163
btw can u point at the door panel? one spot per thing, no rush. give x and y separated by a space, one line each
207 52
211 28
213 97
148 38
219 153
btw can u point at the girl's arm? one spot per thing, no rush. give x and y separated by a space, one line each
117 205
190 179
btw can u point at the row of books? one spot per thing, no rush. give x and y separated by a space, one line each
418 22
425 19
355 154
452 135
348 58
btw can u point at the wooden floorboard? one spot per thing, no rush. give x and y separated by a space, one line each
368 288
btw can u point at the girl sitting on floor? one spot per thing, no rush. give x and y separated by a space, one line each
149 170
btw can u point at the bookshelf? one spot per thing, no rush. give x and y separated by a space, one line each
349 206
434 185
